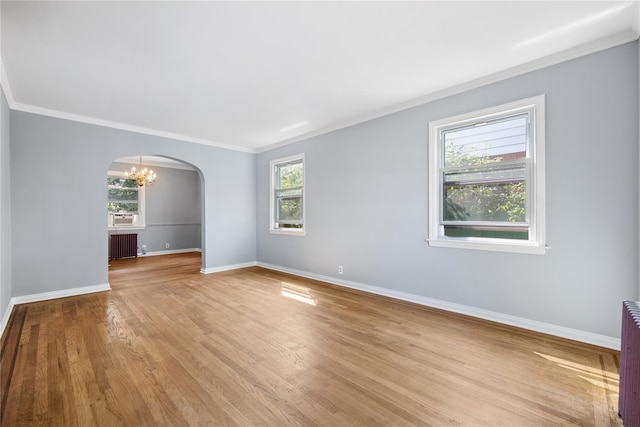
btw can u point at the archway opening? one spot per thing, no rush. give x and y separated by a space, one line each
165 218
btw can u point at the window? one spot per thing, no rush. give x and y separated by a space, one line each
287 195
125 202
486 179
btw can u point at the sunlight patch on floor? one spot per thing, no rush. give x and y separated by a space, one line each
298 293
598 377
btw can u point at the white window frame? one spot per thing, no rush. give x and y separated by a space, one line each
535 180
273 225
139 219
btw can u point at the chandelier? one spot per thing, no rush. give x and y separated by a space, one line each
142 175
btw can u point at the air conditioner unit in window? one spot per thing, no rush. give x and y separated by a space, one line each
123 219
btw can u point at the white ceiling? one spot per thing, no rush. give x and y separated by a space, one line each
253 75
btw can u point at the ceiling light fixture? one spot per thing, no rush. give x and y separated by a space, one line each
142 175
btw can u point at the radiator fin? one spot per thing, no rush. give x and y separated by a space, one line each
123 246
629 398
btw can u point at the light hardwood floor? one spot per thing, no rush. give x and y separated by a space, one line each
169 346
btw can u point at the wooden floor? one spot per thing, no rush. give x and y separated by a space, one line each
169 346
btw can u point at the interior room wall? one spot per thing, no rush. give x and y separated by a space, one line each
172 210
367 200
5 210
59 216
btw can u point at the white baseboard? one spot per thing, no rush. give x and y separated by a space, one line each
24 299
228 267
520 322
170 252
5 317
60 294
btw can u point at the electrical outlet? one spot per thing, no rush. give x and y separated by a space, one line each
340 270
166 246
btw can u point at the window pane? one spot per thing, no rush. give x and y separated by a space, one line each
290 175
119 207
289 209
493 201
287 193
123 195
121 182
486 142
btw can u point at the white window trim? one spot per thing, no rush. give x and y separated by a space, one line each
272 208
141 222
536 242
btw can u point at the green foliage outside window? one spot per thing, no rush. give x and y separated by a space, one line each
503 200
122 195
289 195
487 201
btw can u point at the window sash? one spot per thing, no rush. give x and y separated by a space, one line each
123 211
280 176
492 178
287 194
521 233
517 135
114 200
121 201
489 176
124 197
295 217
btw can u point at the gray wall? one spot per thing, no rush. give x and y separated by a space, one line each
172 210
59 216
5 208
366 202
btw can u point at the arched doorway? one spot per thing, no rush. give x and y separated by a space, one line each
165 218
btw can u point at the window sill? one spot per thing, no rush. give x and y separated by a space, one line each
287 232
485 245
134 227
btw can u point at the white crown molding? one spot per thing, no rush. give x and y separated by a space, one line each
121 126
519 322
636 22
547 61
4 82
